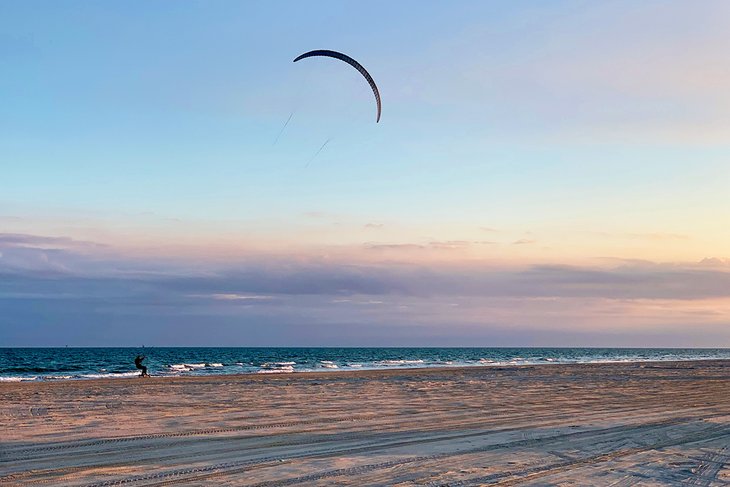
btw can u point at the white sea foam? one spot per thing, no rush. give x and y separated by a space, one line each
354 365
281 370
276 367
188 367
16 379
399 362
214 365
330 366
614 360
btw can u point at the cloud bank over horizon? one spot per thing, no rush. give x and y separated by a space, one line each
67 291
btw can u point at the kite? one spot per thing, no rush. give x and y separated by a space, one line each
351 62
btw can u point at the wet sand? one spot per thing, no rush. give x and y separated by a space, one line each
604 425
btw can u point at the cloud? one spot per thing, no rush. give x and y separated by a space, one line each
373 225
660 281
437 245
70 271
232 297
450 244
51 255
400 246
9 240
523 241
715 262
367 302
88 287
67 272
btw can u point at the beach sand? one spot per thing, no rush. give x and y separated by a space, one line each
600 424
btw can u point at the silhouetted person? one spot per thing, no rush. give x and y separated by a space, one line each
138 364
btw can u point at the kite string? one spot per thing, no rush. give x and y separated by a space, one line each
295 103
283 128
317 153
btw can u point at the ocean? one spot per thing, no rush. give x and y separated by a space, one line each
33 364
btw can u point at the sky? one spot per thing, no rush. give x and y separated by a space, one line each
543 174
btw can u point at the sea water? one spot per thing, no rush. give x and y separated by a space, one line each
27 364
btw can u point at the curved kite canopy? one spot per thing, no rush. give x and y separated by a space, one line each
351 62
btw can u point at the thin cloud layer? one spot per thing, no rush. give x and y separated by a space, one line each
14 240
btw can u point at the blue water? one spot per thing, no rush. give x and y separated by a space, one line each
18 364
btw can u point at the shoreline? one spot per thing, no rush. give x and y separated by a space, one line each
50 365
335 373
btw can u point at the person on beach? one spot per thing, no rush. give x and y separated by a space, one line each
138 364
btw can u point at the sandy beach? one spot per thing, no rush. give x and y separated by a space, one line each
602 424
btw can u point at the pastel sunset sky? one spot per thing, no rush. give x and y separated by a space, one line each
544 174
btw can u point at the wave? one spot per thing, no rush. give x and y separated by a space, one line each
399 362
281 370
276 367
106 375
17 379
188 367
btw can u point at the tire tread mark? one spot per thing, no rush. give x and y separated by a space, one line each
709 467
220 469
